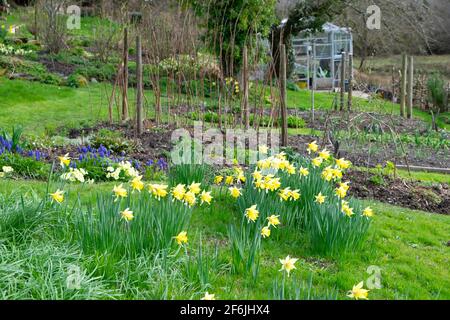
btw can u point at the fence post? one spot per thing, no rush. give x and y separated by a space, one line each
342 102
350 82
403 85
284 133
245 85
139 89
125 76
409 110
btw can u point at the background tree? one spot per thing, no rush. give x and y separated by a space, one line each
404 26
231 24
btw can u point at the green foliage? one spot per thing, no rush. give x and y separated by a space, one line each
112 140
189 173
15 137
437 92
235 22
328 229
99 71
102 229
35 70
295 288
77 81
24 166
245 241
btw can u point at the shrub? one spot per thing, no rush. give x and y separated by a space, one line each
25 166
35 70
112 140
77 81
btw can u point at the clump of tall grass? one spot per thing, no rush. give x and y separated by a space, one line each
295 288
188 173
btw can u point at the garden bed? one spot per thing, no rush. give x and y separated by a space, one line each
409 194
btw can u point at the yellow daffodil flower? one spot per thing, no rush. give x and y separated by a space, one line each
218 179
358 292
265 232
312 147
195 188
324 154
345 185
120 192
241 178
209 296
179 191
137 183
181 238
251 213
347 210
229 180
327 174
257 175
127 215
285 194
317 162
303 171
288 264
368 212
341 192
158 190
290 169
189 198
64 160
206 197
58 196
295 195
235 192
343 164
274 220
320 198
337 174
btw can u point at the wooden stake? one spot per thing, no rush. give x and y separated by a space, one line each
139 88
342 101
245 85
410 101
125 115
350 82
284 133
403 85
393 84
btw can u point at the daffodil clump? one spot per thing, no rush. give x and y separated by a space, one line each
246 239
138 215
311 195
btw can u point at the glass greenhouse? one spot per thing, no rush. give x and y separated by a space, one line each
318 56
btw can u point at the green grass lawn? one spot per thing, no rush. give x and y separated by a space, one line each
429 177
40 108
408 246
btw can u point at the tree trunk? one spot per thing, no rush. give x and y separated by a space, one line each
409 110
245 88
283 62
139 87
125 115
